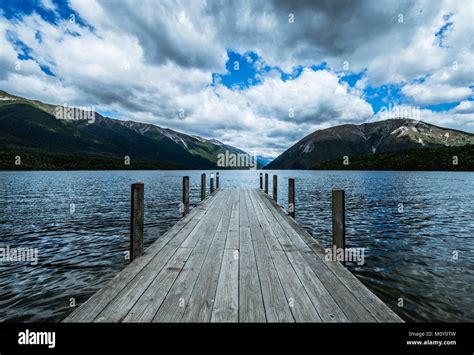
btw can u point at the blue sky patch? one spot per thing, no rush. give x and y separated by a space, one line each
245 70
290 76
39 37
441 34
25 52
299 69
16 9
352 78
442 107
45 69
242 70
386 96
113 113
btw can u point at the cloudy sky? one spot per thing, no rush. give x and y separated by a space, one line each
255 74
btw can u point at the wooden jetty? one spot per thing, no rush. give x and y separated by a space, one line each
236 257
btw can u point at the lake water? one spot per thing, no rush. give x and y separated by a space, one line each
417 229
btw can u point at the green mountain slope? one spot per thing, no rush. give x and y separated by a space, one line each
430 159
380 137
205 148
28 128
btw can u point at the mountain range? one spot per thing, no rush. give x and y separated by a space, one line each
368 140
32 137
29 129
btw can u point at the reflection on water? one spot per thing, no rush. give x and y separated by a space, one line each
410 224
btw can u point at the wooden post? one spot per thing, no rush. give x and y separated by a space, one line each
338 220
275 187
212 183
261 181
217 181
185 195
266 183
137 217
291 198
203 186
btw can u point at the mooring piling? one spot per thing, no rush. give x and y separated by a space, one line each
185 195
203 186
291 198
275 187
137 220
338 220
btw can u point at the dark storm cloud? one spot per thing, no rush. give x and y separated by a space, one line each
321 29
164 33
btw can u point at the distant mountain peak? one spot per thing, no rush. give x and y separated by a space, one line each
389 135
24 123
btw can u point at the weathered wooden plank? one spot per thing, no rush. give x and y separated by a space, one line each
226 304
201 301
89 310
117 309
327 308
300 304
376 309
243 213
267 232
344 297
251 307
352 308
149 312
210 214
276 305
269 219
147 305
172 308
322 279
233 234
